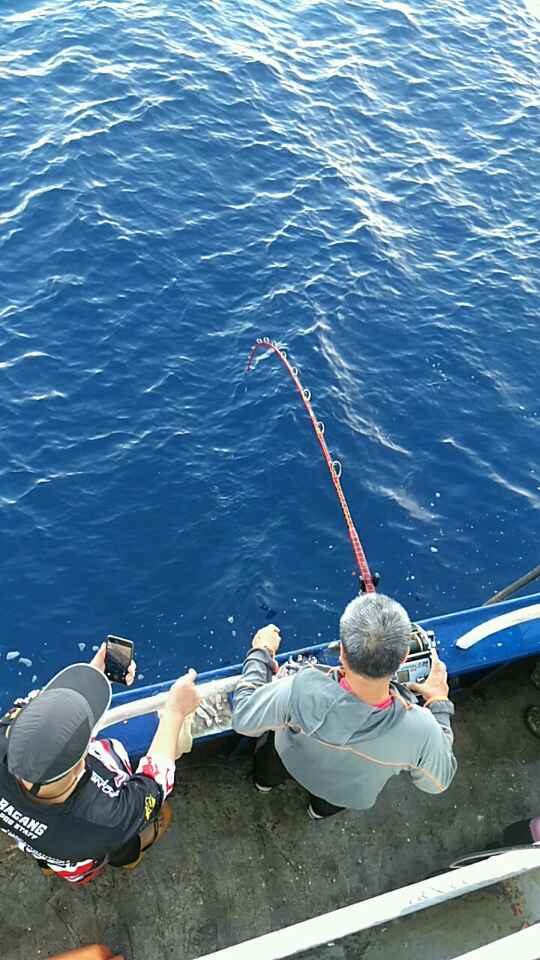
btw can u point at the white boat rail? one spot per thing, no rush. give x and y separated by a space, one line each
524 944
390 906
214 717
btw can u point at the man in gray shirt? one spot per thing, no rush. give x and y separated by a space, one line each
342 735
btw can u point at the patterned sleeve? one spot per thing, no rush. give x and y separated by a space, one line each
159 769
137 797
133 802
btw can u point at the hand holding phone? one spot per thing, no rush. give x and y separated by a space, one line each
118 657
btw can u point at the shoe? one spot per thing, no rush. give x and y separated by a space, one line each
262 789
535 676
312 814
532 720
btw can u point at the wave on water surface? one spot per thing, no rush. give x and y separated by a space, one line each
358 181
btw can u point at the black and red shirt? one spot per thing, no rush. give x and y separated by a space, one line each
108 807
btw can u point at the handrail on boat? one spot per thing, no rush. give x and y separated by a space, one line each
137 708
390 906
153 704
147 705
522 944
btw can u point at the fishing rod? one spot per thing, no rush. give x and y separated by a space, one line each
513 587
367 580
498 597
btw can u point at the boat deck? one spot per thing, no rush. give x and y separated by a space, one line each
236 864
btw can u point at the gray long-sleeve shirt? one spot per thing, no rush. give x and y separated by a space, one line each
335 745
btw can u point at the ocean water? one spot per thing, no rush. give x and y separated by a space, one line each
359 181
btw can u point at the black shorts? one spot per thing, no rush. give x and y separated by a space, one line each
270 772
128 853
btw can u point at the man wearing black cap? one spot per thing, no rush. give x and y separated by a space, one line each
72 801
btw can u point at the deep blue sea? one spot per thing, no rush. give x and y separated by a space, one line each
359 181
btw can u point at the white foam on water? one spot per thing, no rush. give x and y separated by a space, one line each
12 654
533 6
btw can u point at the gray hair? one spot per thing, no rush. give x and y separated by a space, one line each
375 632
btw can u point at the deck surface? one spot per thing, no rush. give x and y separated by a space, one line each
236 864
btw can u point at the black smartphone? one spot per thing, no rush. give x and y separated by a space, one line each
118 656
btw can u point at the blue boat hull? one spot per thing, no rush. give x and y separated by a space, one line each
500 647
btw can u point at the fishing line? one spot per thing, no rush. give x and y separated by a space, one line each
334 466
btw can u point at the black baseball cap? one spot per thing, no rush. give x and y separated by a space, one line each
52 732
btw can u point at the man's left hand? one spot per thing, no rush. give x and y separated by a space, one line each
99 662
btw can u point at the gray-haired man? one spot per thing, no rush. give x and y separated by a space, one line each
342 736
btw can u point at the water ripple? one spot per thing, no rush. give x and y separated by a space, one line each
361 183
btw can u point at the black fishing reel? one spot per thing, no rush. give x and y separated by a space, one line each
415 669
417 666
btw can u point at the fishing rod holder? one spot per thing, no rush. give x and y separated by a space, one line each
375 579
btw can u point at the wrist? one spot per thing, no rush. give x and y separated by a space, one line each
260 657
175 712
263 648
437 698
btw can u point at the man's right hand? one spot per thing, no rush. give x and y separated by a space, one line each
436 684
183 696
268 638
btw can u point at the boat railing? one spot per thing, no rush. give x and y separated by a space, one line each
404 901
215 717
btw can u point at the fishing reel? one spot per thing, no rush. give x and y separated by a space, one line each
415 669
417 666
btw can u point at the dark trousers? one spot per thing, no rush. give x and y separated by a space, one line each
270 772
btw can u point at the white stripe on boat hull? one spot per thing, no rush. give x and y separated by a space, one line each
490 627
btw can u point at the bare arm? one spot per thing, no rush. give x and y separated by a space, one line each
182 701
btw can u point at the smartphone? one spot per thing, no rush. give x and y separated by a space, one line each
118 656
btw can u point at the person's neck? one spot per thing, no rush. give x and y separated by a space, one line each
369 690
56 792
